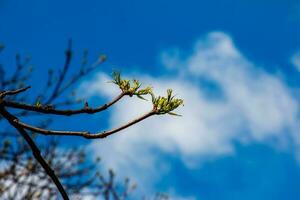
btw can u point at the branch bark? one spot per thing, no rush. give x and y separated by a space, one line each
35 151
13 92
84 134
50 110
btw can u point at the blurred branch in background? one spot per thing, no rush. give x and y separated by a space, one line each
30 165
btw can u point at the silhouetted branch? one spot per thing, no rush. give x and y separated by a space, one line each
22 170
35 151
48 109
86 135
13 92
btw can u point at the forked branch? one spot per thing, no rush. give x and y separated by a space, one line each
35 151
161 105
48 109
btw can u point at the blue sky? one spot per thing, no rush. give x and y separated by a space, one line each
236 63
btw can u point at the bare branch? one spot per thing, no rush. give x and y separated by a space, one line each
50 110
13 92
35 151
68 54
84 134
22 167
81 74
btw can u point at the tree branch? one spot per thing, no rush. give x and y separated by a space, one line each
80 75
84 134
50 110
35 151
13 92
63 73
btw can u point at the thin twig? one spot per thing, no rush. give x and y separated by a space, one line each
13 92
63 73
50 110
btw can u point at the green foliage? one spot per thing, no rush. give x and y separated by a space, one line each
130 87
165 105
161 105
38 103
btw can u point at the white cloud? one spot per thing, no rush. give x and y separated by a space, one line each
295 60
253 106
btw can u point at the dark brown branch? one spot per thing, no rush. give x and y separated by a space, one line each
22 166
81 74
50 110
63 73
13 92
35 151
84 134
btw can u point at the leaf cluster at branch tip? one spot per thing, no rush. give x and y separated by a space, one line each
161 105
130 87
165 105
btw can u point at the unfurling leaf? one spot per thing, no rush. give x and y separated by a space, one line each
175 114
164 105
38 104
161 105
130 87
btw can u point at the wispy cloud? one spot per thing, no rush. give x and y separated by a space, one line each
253 105
295 60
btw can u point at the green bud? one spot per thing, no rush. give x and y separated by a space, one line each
164 105
38 104
145 91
